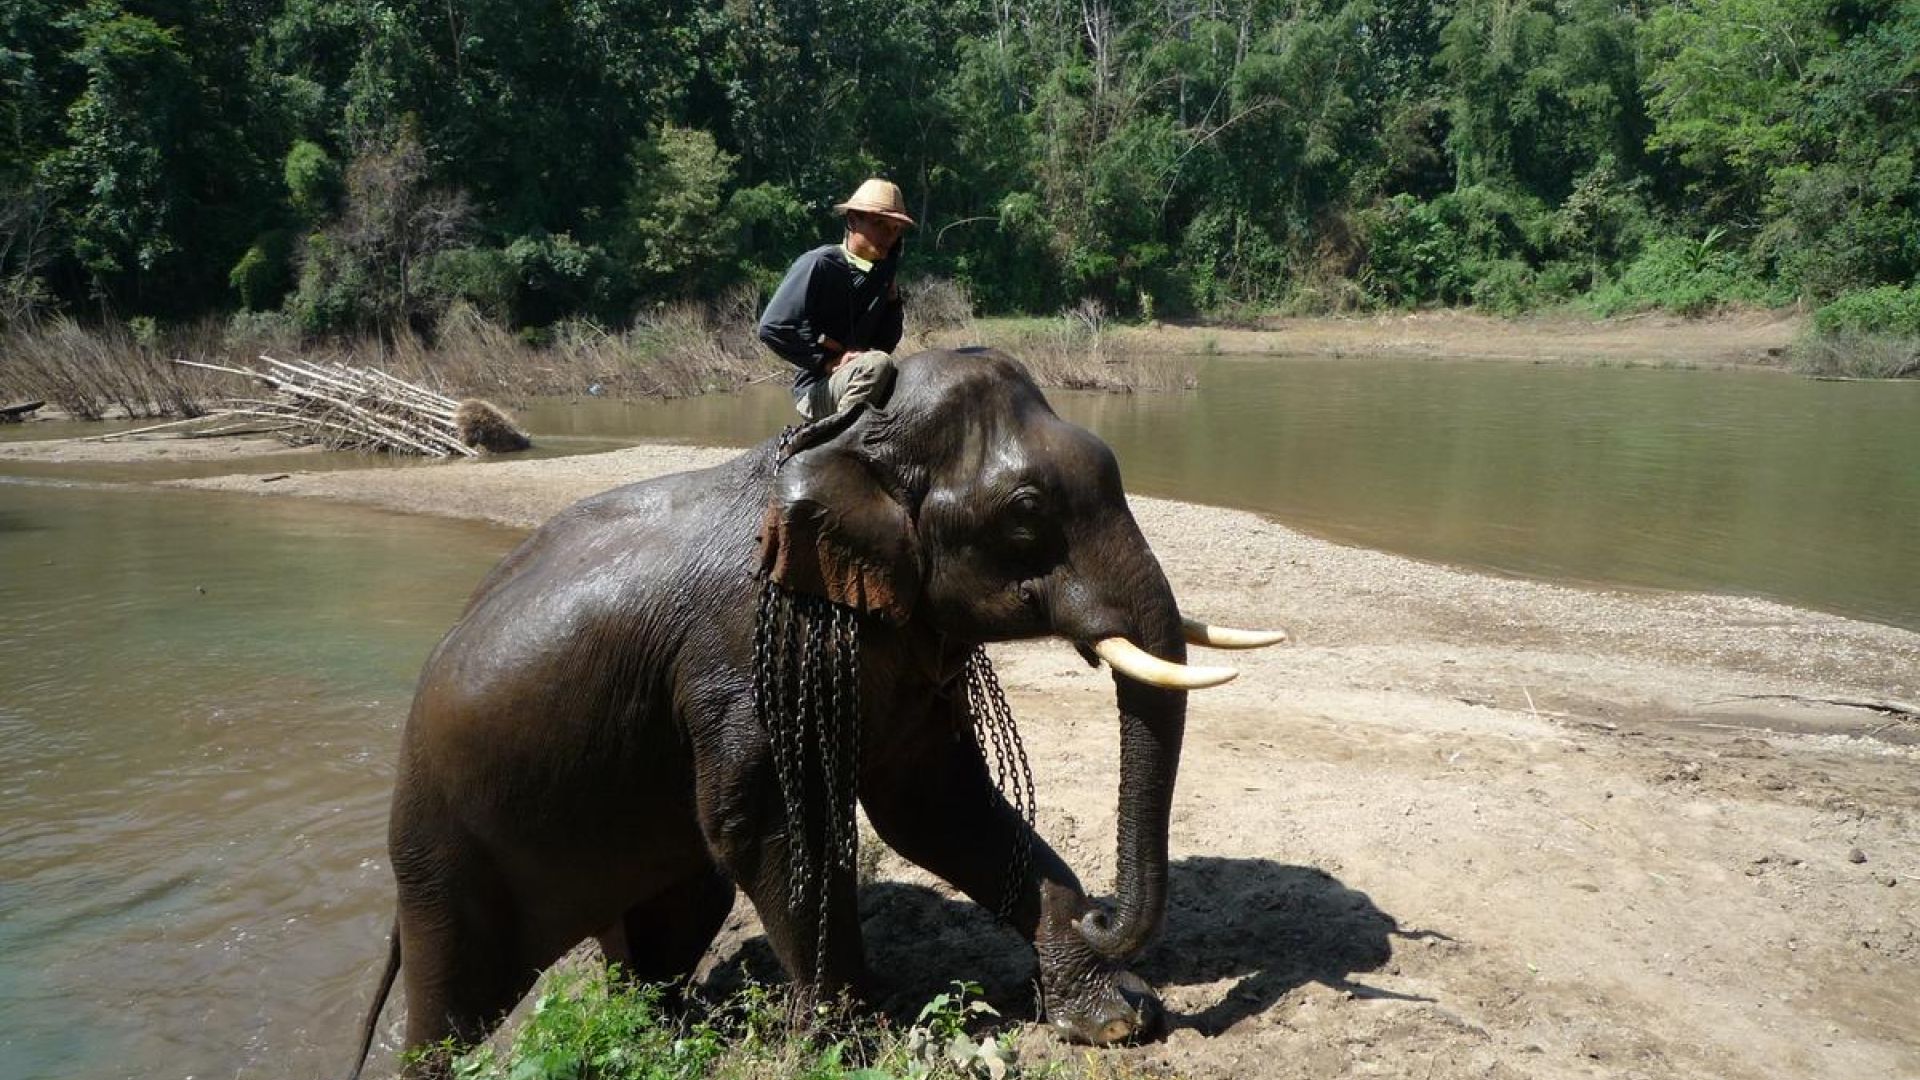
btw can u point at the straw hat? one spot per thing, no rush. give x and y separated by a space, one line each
877 196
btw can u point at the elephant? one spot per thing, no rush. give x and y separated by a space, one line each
682 686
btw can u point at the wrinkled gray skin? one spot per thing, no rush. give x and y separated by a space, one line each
583 758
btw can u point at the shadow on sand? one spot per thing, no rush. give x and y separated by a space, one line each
1271 926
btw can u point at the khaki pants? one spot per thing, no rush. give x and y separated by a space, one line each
848 386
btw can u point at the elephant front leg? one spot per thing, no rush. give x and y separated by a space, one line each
746 824
941 811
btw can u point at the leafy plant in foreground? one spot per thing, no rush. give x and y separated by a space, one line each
939 1035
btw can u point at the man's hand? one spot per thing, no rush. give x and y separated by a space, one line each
836 352
863 354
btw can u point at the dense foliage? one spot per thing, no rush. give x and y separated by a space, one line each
363 164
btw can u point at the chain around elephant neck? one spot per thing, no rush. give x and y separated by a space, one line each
1001 748
806 696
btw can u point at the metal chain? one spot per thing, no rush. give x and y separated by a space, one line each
806 688
820 721
806 698
773 698
999 741
846 696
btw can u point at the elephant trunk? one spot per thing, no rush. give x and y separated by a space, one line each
1152 723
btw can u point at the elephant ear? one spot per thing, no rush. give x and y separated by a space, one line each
833 529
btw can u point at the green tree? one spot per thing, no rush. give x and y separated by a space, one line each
122 169
676 235
363 270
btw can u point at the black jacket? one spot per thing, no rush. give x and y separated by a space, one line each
823 294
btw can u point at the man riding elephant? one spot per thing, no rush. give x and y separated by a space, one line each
837 314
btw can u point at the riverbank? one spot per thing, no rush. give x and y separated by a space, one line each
691 351
1470 826
1758 338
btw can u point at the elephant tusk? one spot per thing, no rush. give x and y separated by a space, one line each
1228 637
1136 663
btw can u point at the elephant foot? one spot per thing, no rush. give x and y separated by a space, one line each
1119 1007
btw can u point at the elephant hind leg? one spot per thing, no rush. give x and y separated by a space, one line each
465 966
661 939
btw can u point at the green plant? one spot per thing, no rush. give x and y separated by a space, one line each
592 1025
312 179
1505 287
939 1035
264 274
1683 275
1889 309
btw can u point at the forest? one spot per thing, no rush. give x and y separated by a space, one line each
346 166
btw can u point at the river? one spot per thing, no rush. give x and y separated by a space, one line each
1747 482
200 697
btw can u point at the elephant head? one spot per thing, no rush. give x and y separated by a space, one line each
960 505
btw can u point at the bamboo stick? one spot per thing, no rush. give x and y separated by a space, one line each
362 416
155 427
340 406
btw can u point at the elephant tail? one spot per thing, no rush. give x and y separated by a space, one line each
379 1000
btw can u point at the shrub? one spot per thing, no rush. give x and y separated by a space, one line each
1413 255
771 220
332 292
1684 276
250 333
1505 287
938 310
553 274
313 180
1859 356
1889 309
265 273
481 277
1871 334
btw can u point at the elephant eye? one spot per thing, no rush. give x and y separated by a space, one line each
1025 521
1024 511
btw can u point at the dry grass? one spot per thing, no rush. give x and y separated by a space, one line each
92 373
1082 349
939 314
674 350
1858 356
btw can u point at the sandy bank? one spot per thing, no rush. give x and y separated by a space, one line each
87 450
1735 339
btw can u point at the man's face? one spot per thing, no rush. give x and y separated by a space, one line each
879 232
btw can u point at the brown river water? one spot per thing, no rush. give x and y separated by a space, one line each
1748 482
199 703
200 695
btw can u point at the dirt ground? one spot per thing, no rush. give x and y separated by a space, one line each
140 451
1468 826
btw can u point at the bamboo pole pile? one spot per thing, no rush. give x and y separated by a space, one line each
348 408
